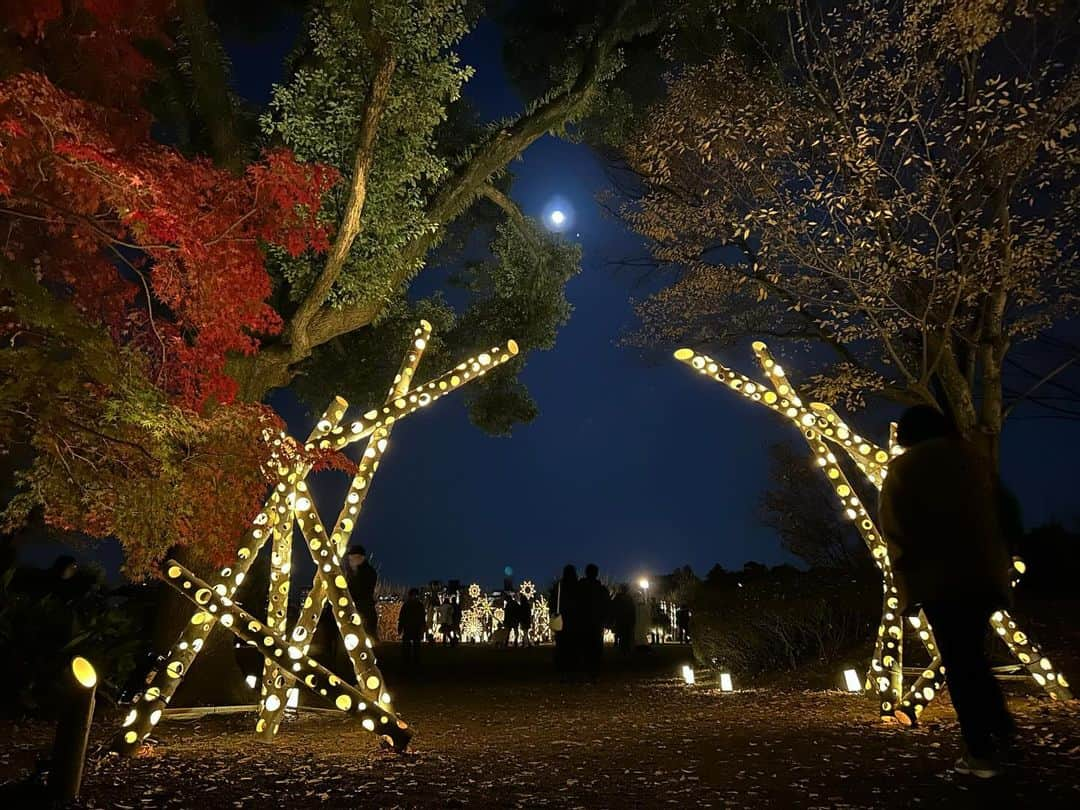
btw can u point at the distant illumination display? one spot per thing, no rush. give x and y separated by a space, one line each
557 217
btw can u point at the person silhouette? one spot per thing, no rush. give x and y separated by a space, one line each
941 516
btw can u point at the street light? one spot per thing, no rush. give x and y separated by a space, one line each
643 584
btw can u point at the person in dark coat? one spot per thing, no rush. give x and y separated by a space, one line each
564 599
594 607
682 624
362 581
455 626
411 625
941 516
524 620
623 615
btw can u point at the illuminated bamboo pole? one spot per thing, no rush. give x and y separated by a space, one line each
162 684
819 424
375 716
324 548
1025 650
419 397
424 395
73 731
362 657
886 672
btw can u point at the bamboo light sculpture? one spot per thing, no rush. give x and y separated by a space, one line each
822 428
289 503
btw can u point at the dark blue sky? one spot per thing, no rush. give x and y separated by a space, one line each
637 467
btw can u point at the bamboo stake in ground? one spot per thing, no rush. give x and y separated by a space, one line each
820 426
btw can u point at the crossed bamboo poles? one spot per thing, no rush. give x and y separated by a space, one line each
821 427
286 655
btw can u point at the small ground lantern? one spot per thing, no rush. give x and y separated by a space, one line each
73 731
852 682
725 682
688 674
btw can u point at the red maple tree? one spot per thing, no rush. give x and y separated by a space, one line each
165 254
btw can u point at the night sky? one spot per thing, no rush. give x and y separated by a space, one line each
638 466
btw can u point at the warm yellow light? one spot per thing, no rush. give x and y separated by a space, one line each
725 682
852 681
643 584
84 672
821 426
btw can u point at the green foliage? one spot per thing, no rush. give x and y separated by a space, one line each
111 457
518 290
44 622
548 42
317 114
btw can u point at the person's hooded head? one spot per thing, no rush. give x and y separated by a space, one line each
922 423
569 574
592 571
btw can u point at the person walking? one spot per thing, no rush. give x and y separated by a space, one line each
642 621
525 618
942 519
623 614
594 608
444 618
682 624
565 624
362 581
455 620
411 629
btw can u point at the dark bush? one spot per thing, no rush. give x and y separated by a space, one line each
763 620
45 621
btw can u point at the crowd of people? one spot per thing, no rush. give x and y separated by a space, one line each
583 609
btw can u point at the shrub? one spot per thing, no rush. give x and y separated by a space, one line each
781 619
42 626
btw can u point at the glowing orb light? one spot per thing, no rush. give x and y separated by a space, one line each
557 217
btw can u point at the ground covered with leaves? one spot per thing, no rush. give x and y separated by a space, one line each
638 739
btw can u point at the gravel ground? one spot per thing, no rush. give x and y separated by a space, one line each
635 740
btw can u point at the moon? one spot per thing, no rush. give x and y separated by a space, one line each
557 217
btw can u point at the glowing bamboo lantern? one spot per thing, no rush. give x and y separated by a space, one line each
376 716
289 504
73 730
822 428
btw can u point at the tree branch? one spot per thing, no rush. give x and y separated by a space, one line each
492 156
510 208
351 221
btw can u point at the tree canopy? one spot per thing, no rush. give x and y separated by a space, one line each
899 189
176 254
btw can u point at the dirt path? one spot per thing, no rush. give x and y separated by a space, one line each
628 743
